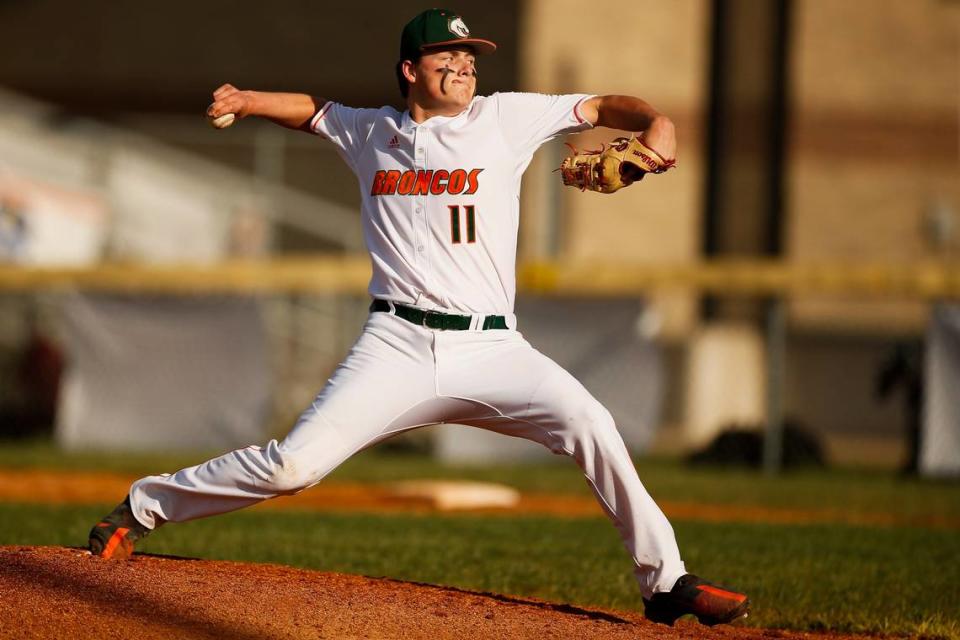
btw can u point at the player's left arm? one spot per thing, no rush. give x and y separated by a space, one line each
633 114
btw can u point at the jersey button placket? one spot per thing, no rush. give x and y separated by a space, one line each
415 205
422 234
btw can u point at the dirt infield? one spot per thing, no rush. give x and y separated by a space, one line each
76 487
57 592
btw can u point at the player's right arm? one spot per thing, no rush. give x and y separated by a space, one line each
291 110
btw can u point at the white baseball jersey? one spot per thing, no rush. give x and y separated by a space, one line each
440 214
441 199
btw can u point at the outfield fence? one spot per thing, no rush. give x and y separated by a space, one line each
350 274
302 277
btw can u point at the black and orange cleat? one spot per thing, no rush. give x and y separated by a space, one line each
112 538
692 595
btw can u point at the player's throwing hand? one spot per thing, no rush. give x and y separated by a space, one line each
228 104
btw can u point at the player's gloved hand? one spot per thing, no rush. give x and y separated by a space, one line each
613 167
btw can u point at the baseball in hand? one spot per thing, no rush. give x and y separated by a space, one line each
222 122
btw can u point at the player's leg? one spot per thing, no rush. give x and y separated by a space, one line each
563 415
385 385
520 392
530 396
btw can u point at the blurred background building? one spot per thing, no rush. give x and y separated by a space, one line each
809 130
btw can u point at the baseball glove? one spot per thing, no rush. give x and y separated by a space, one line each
612 167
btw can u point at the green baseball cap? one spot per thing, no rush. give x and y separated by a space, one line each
436 28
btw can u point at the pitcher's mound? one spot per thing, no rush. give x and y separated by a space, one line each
56 592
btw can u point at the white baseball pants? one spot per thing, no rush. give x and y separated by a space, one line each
399 376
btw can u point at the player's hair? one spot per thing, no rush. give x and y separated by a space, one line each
401 80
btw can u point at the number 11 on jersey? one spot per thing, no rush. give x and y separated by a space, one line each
455 223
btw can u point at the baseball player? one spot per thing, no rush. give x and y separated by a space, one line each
440 186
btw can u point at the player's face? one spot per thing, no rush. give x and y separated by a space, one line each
447 78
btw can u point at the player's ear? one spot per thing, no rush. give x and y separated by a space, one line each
409 70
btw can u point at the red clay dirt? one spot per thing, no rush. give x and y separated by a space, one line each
57 592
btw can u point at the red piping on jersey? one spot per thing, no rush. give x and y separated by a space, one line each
576 110
320 115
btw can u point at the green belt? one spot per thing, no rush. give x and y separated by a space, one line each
435 319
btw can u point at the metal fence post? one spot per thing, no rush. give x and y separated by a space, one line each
776 356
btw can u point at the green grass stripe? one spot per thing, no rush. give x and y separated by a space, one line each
853 491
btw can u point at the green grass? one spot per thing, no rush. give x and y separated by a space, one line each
855 491
846 578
